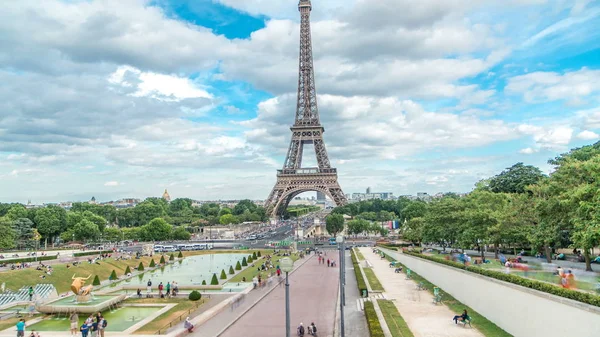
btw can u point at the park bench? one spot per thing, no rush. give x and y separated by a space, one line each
466 321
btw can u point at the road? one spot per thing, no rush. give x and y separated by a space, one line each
313 296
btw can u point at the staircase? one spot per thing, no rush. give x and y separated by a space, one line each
360 302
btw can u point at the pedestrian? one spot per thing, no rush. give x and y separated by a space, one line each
149 288
328 263
21 328
84 330
102 325
30 292
160 289
188 325
168 289
94 329
74 319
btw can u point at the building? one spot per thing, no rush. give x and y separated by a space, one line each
166 196
320 196
372 195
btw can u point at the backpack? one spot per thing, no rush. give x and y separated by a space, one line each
314 327
105 323
301 328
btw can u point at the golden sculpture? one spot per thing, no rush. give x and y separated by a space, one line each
77 287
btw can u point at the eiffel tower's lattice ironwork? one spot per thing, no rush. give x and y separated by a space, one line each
307 130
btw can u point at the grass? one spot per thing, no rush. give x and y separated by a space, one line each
12 322
395 322
359 255
250 271
170 318
373 280
485 326
373 323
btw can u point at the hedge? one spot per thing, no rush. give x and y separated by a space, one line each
238 266
203 282
587 298
162 259
244 263
140 266
258 254
127 271
360 281
180 255
223 275
254 257
152 264
250 259
231 271
29 259
172 257
113 275
92 253
96 281
195 295
215 280
375 329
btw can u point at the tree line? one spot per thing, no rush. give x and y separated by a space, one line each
154 219
521 207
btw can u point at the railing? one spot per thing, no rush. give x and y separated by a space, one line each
312 170
169 325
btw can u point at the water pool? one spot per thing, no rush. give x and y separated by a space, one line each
70 301
118 320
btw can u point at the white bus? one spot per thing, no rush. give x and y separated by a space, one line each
159 248
169 249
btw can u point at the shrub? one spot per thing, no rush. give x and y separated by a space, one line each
180 255
32 259
258 254
203 282
254 257
162 259
172 257
375 329
152 264
223 275
141 266
238 266
244 263
195 295
91 253
113 275
588 298
250 259
360 281
96 281
215 280
231 271
127 271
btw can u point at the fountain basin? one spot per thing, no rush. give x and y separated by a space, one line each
68 304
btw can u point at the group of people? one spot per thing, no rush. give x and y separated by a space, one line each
171 289
21 330
311 329
567 279
93 325
330 263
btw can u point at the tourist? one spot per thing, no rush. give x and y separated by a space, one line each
139 293
168 289
98 315
312 329
34 334
30 292
101 326
21 328
74 318
328 262
160 289
89 320
175 288
255 281
94 329
301 330
188 325
461 317
84 329
149 288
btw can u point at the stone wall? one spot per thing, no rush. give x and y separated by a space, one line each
518 310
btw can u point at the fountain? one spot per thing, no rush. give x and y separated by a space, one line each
83 301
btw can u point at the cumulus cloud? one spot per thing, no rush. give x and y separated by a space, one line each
587 135
112 183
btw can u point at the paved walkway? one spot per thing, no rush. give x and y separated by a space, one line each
416 307
313 296
354 318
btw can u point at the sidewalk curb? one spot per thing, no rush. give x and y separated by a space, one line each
226 327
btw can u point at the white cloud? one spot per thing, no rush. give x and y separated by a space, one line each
550 137
528 150
587 135
112 183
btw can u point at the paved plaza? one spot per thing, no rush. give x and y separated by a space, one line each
416 307
313 296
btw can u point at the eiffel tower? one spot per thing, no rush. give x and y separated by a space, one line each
293 179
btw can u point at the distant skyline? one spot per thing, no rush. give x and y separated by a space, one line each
118 99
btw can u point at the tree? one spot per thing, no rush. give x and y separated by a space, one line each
195 295
50 220
180 233
86 230
413 209
112 234
231 271
9 235
250 259
17 211
515 179
258 254
227 219
204 282
141 266
244 263
224 211
254 257
156 230
172 257
98 220
24 231
214 281
162 259
113 275
96 281
413 230
152 264
132 233
238 266
334 223
223 275
127 271
180 255
357 226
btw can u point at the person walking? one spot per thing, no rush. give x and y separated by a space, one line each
149 287
74 319
160 289
84 329
21 328
168 289
328 263
30 292
188 325
101 326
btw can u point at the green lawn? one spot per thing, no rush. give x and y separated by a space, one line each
394 321
175 316
359 255
372 279
250 272
485 326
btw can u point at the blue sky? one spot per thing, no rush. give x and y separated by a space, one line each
118 99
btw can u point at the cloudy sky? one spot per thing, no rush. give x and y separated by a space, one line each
124 98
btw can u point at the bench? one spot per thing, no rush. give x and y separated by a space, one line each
466 321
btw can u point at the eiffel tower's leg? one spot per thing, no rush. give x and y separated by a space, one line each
321 152
294 155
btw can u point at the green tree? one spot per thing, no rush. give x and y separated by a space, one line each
413 209
86 230
228 219
162 259
172 257
132 233
96 219
231 271
112 234
180 255
258 254
9 235
194 295
244 263
180 233
238 266
96 281
50 220
357 226
214 281
254 257
113 275
141 266
443 220
334 223
223 275
24 231
224 211
156 230
127 271
250 259
413 230
204 282
17 211
515 179
152 264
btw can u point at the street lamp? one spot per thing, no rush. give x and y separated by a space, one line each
286 265
340 240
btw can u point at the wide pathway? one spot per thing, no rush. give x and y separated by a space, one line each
313 296
416 307
354 319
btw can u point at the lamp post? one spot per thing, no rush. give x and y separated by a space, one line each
340 240
286 264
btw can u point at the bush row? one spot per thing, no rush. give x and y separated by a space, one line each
375 329
29 259
360 281
92 253
518 280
